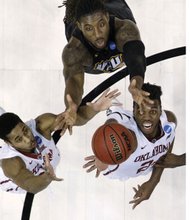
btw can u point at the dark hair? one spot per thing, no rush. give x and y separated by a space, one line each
75 9
154 90
8 121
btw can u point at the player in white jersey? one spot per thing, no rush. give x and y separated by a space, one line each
154 130
29 158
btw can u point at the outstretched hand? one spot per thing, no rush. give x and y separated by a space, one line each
142 193
67 119
139 96
94 164
49 169
106 100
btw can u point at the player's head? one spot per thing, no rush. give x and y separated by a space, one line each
16 133
88 7
93 21
148 119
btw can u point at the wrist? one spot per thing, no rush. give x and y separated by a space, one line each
139 81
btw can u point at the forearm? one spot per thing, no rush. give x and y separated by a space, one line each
156 175
134 58
74 86
181 160
84 114
76 94
36 184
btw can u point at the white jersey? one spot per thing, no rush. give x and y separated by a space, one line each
34 161
147 153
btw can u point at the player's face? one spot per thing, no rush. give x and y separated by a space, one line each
148 120
95 28
22 138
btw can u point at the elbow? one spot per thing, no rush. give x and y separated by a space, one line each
33 190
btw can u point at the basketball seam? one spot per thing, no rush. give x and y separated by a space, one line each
107 146
120 141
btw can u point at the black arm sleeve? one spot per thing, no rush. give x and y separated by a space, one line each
134 58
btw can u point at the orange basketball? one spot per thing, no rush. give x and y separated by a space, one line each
112 143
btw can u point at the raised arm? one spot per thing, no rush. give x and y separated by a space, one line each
129 41
73 71
75 56
105 101
144 191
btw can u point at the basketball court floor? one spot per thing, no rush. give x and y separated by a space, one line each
31 83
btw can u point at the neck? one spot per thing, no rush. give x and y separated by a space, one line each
156 134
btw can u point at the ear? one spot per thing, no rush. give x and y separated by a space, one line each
78 25
107 16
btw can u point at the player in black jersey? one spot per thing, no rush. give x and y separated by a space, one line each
102 36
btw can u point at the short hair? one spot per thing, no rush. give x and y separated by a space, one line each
77 9
154 90
8 122
87 7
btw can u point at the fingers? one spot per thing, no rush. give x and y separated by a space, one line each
49 169
90 163
137 198
91 169
47 162
57 179
113 94
92 157
63 130
65 121
136 202
138 192
60 122
106 92
70 128
97 173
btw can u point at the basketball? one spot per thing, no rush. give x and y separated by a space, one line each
112 143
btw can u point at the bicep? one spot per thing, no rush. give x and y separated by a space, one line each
15 169
171 117
72 58
45 124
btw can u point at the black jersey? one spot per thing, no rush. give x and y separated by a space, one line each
110 58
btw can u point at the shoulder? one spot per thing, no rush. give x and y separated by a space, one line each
74 52
171 116
12 166
45 124
126 30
